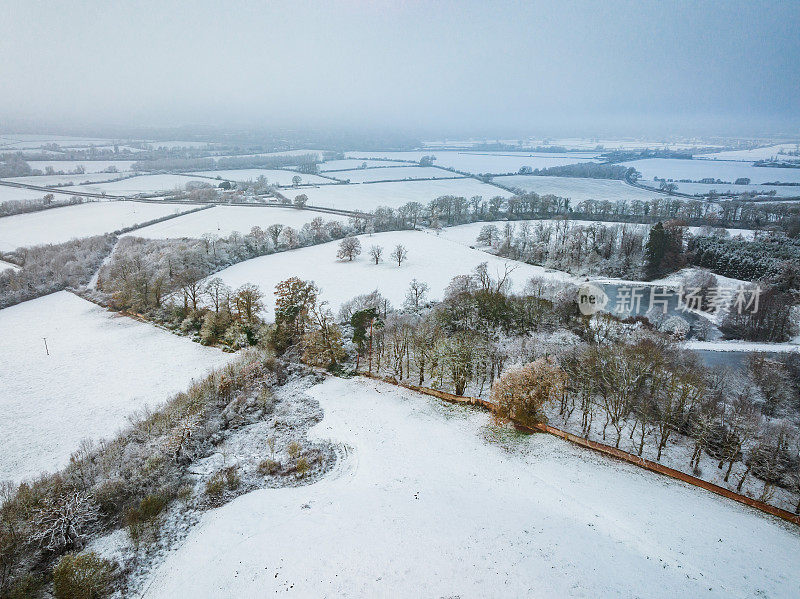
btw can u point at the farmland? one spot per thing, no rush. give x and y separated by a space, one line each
84 220
101 368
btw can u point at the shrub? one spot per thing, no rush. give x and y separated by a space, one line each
84 576
227 478
302 466
269 466
294 449
522 393
143 521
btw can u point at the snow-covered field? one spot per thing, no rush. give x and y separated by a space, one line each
431 259
383 174
55 180
224 220
332 165
58 225
275 176
102 367
143 184
433 500
781 191
90 166
477 163
700 169
765 153
369 196
578 189
8 194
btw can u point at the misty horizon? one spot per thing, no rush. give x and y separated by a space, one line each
427 71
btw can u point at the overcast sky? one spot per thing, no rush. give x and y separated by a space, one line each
448 67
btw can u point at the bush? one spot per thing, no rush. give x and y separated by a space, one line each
269 466
84 576
522 393
294 449
227 478
302 466
143 520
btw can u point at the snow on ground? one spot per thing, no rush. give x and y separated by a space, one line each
58 225
275 176
704 188
765 153
10 141
8 194
224 220
102 367
7 265
668 168
578 189
143 184
90 166
383 174
432 500
478 163
61 180
431 259
332 165
369 196
748 346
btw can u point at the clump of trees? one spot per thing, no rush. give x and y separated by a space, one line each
11 207
53 267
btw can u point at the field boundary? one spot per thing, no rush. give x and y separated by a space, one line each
604 449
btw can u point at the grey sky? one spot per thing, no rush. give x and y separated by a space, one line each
449 67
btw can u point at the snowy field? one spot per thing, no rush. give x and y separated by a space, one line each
578 189
332 165
224 220
478 163
90 166
58 225
667 168
765 153
781 191
382 174
8 194
274 176
102 367
144 184
433 496
369 196
57 180
11 141
431 259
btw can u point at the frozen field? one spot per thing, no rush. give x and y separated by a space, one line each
144 184
431 259
224 220
11 141
90 166
382 174
7 265
60 180
102 367
478 163
58 225
370 196
16 193
765 153
579 190
695 170
781 191
275 176
433 496
332 165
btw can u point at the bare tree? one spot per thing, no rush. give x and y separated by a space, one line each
375 253
349 248
399 254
